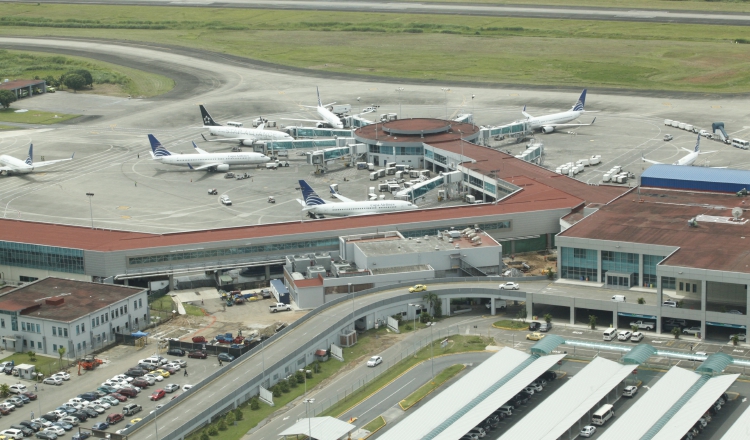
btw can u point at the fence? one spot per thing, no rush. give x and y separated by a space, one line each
244 391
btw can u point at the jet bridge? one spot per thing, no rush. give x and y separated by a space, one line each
306 145
311 132
518 129
422 188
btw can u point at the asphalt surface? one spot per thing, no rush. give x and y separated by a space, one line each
550 12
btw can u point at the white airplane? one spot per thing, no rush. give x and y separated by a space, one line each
10 165
689 159
243 136
316 206
204 160
329 119
548 123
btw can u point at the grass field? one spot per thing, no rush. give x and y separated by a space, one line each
431 386
109 79
507 323
685 5
375 424
31 116
44 364
7 127
646 56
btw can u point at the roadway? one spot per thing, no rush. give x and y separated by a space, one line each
548 12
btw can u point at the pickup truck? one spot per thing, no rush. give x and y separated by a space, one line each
499 304
644 325
279 307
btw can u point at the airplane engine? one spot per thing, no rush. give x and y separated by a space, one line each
247 142
222 168
321 125
547 129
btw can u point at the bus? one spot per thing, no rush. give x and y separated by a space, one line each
603 414
739 143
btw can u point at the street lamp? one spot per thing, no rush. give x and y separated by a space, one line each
309 424
91 210
445 92
349 287
432 357
472 111
399 90
461 136
415 314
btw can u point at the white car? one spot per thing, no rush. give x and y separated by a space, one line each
636 337
111 400
530 390
148 378
52 381
56 429
123 378
537 386
510 285
98 408
12 433
587 431
102 403
156 377
45 423
114 383
174 365
624 335
374 361
629 391
73 405
691 331
186 387
181 362
225 200
59 413
18 388
735 312
79 401
70 419
670 303
62 375
740 336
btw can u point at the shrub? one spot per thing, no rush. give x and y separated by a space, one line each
592 322
284 385
408 327
676 332
238 415
204 435
222 425
309 373
255 404
276 391
641 300
293 382
300 377
424 318
229 418
212 431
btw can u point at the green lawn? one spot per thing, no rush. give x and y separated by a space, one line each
430 386
8 127
647 56
684 5
376 423
108 78
44 364
31 116
508 324
161 306
193 310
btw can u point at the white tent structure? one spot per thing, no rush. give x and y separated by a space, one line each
320 428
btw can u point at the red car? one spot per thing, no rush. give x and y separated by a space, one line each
130 392
140 383
114 418
197 355
30 395
199 339
172 370
158 394
119 397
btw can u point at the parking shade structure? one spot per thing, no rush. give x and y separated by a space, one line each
498 398
438 409
559 412
694 408
322 428
651 406
740 430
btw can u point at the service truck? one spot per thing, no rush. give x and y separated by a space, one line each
278 307
644 325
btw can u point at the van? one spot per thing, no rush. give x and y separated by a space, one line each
480 432
133 408
739 143
150 361
618 298
506 409
610 334
603 414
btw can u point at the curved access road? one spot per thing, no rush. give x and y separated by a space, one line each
520 11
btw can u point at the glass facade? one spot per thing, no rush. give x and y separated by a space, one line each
41 257
621 262
483 226
668 283
409 151
649 269
300 144
579 264
419 191
439 158
428 154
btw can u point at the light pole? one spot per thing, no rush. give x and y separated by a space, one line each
445 92
349 287
399 90
461 136
472 111
432 358
91 210
309 424
415 314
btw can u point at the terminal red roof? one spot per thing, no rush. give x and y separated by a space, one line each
18 83
661 217
380 132
63 300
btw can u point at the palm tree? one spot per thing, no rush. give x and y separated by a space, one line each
4 390
61 352
548 318
433 302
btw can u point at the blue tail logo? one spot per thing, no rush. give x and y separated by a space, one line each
698 144
581 102
30 159
157 148
309 195
320 104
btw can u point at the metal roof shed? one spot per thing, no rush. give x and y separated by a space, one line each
455 397
321 428
695 178
498 398
651 406
695 407
740 430
553 417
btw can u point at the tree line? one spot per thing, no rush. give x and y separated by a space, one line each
75 80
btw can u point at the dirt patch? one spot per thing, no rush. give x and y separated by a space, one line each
106 90
325 66
537 261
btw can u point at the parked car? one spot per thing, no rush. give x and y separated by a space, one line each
534 326
172 365
629 391
186 387
691 331
62 375
163 372
17 401
154 377
70 419
510 285
81 436
158 394
111 400
90 412
80 415
140 383
129 392
119 397
636 337
735 312
740 336
115 418
44 435
146 367
29 395
224 357
31 425
176 352
418 288
197 355
102 403
26 431
374 361
17 388
64 425
536 336
14 433
7 406
89 396
199 339
669 303
181 362
667 137
56 429
98 408
101 426
536 386
624 335
131 409
171 387
587 431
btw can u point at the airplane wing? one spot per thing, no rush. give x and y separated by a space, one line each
570 125
702 152
50 162
236 140
651 161
306 120
339 196
7 169
199 150
205 166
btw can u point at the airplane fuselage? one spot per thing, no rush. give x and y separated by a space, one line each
237 132
362 208
330 118
687 160
538 122
20 167
218 158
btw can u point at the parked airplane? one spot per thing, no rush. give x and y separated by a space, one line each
204 160
316 206
548 123
690 158
10 165
243 136
329 119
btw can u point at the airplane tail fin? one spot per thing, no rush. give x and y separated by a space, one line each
578 107
309 196
30 159
320 104
207 119
524 112
698 144
198 149
157 149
